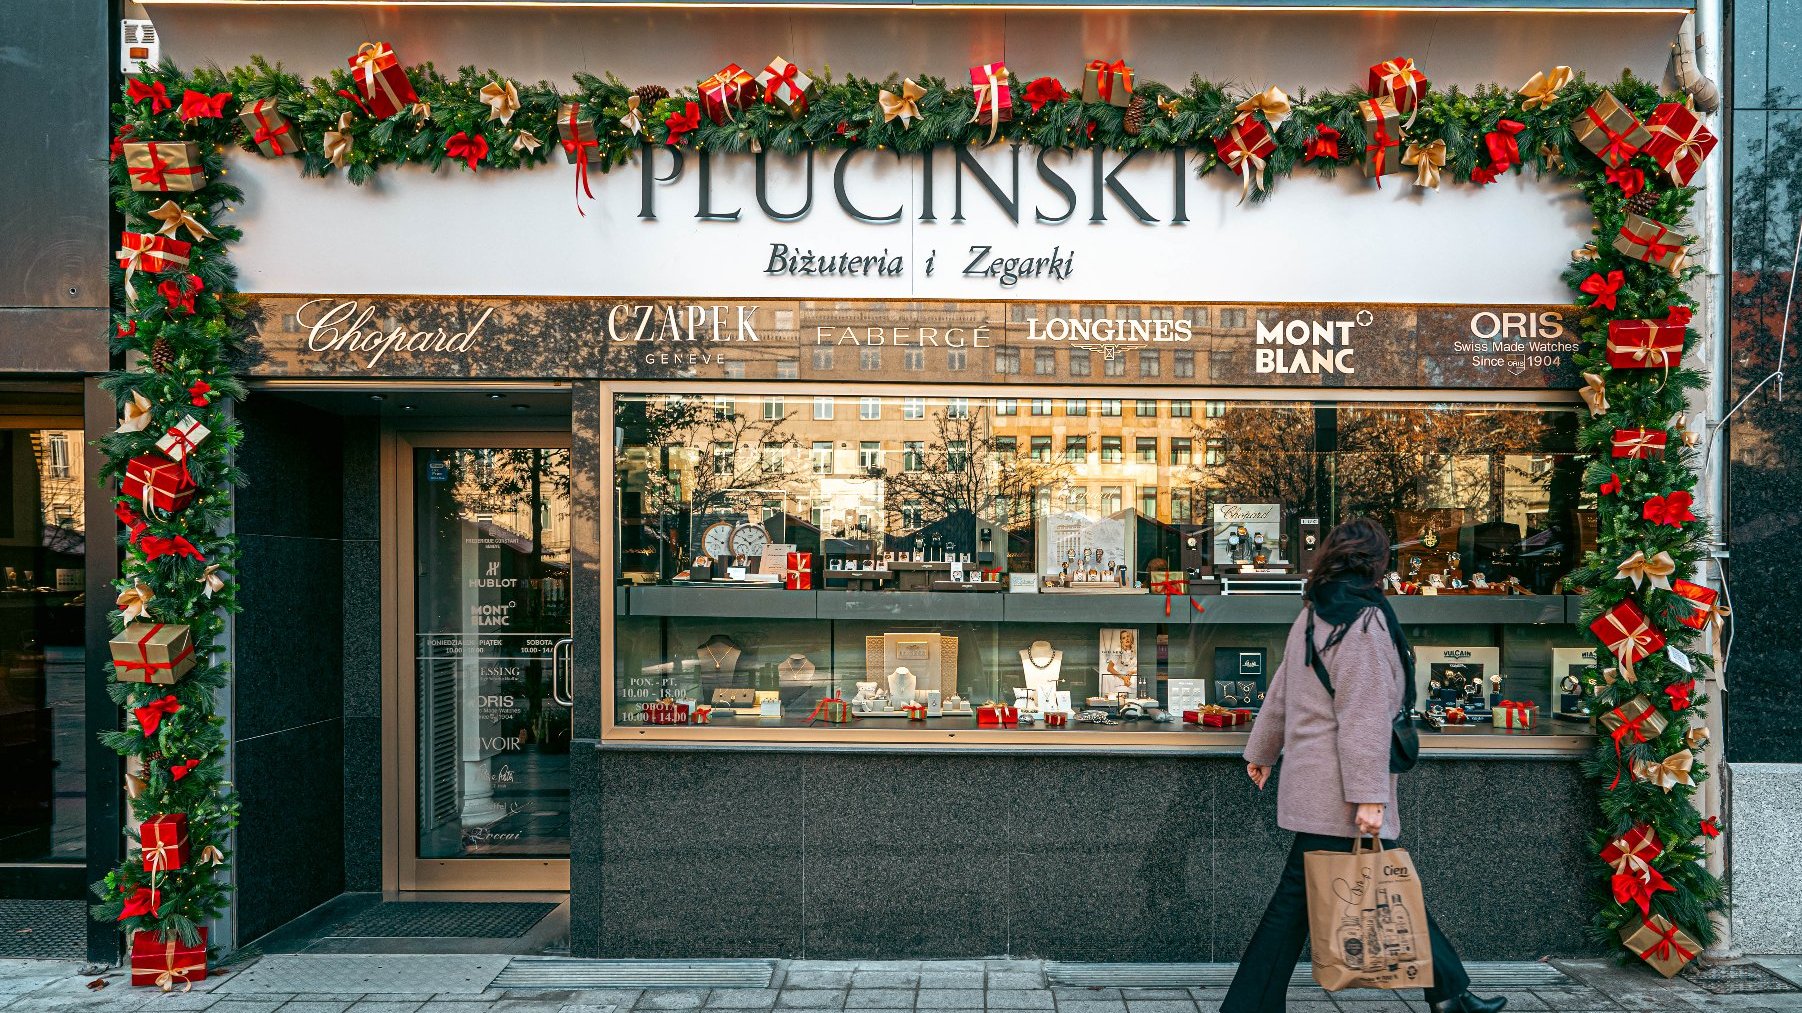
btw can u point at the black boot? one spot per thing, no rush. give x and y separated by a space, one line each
1467 1003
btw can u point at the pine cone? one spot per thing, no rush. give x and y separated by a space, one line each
648 94
1135 116
1643 203
162 356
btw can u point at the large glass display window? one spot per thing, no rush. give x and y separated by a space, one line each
795 565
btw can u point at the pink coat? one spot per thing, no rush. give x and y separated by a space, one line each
1334 749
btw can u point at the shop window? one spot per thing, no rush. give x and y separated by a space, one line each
1182 450
1216 452
869 409
1041 406
913 359
1182 409
822 409
1145 408
1111 452
1076 406
869 455
773 409
822 360
957 360
913 455
1076 449
1041 448
1007 361
1148 500
913 408
1151 363
1110 408
1182 364
1113 365
822 457
788 369
869 359
1006 406
1044 361
1081 363
1146 449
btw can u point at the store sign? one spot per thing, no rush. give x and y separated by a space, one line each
1308 345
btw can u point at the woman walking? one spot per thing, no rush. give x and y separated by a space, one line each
1336 783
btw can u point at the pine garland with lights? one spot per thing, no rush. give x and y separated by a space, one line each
481 121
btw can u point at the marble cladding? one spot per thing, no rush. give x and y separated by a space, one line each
831 855
1766 852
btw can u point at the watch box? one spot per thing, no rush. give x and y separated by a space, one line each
1464 677
1572 669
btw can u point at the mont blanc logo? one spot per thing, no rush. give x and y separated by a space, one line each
1310 347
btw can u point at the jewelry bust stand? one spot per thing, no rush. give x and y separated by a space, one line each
1042 663
718 656
795 670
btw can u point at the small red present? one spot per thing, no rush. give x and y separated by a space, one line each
915 711
1400 82
1641 444
380 80
666 712
797 571
1627 633
149 252
1705 601
834 709
165 842
701 715
1243 714
730 89
1610 130
1243 149
1056 719
1648 344
994 95
1111 83
1516 714
165 961
269 130
995 716
1631 853
157 482
1680 143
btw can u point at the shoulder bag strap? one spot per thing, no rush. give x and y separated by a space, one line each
1314 657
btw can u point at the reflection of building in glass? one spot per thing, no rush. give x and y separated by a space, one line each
61 485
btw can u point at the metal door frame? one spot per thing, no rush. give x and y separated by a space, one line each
402 868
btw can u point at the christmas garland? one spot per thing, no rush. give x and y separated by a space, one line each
1626 148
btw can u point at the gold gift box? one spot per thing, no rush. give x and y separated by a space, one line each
576 131
1381 121
1653 242
1617 132
153 653
164 166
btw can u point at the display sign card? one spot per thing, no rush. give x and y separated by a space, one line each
1186 695
1119 661
1248 534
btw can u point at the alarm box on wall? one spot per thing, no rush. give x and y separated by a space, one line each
1308 537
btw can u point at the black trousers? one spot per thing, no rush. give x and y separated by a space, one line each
1262 981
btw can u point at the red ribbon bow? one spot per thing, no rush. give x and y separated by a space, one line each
576 148
1679 694
1380 142
144 901
150 716
196 105
197 395
265 135
127 329
117 147
179 292
1044 91
138 89
1711 827
1679 316
156 547
1673 509
1630 180
1105 73
470 149
133 523
1617 149
1504 152
682 122
181 770
780 78
1324 144
1170 589
1639 889
1628 726
1610 487
1605 288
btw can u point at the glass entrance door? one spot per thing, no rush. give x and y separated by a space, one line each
491 684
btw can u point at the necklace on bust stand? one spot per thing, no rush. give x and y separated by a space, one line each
719 650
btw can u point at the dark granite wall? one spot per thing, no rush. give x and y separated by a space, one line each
1764 483
362 638
1148 858
288 729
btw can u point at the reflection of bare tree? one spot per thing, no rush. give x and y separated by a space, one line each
1260 454
701 457
962 475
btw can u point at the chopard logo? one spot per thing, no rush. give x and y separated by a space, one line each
347 325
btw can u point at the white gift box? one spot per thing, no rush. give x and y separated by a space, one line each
182 437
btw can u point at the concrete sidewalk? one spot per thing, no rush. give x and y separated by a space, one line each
328 984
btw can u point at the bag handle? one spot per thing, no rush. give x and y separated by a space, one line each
1358 844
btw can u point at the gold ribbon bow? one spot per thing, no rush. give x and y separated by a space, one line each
214 583
1542 88
422 110
502 99
1167 105
1609 675
1428 160
997 78
1639 569
135 784
211 855
1594 393
1690 437
136 417
633 123
1696 737
134 601
337 142
904 106
526 141
175 217
1273 102
1669 772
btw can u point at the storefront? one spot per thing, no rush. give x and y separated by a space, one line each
820 554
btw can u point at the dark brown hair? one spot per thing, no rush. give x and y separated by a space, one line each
1356 551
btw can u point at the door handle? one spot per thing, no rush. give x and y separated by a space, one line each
566 647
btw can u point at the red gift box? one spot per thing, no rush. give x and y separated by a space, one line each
1631 853
164 840
1704 601
797 571
702 715
1243 149
380 80
1057 719
915 711
157 482
731 88
1648 344
1680 143
1400 82
1639 443
666 712
994 96
1627 633
149 252
995 716
165 961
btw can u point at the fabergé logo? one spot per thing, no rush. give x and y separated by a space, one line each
1310 347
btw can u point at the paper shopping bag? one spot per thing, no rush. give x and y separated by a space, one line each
1367 919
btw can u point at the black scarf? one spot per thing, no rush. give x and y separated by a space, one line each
1339 602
